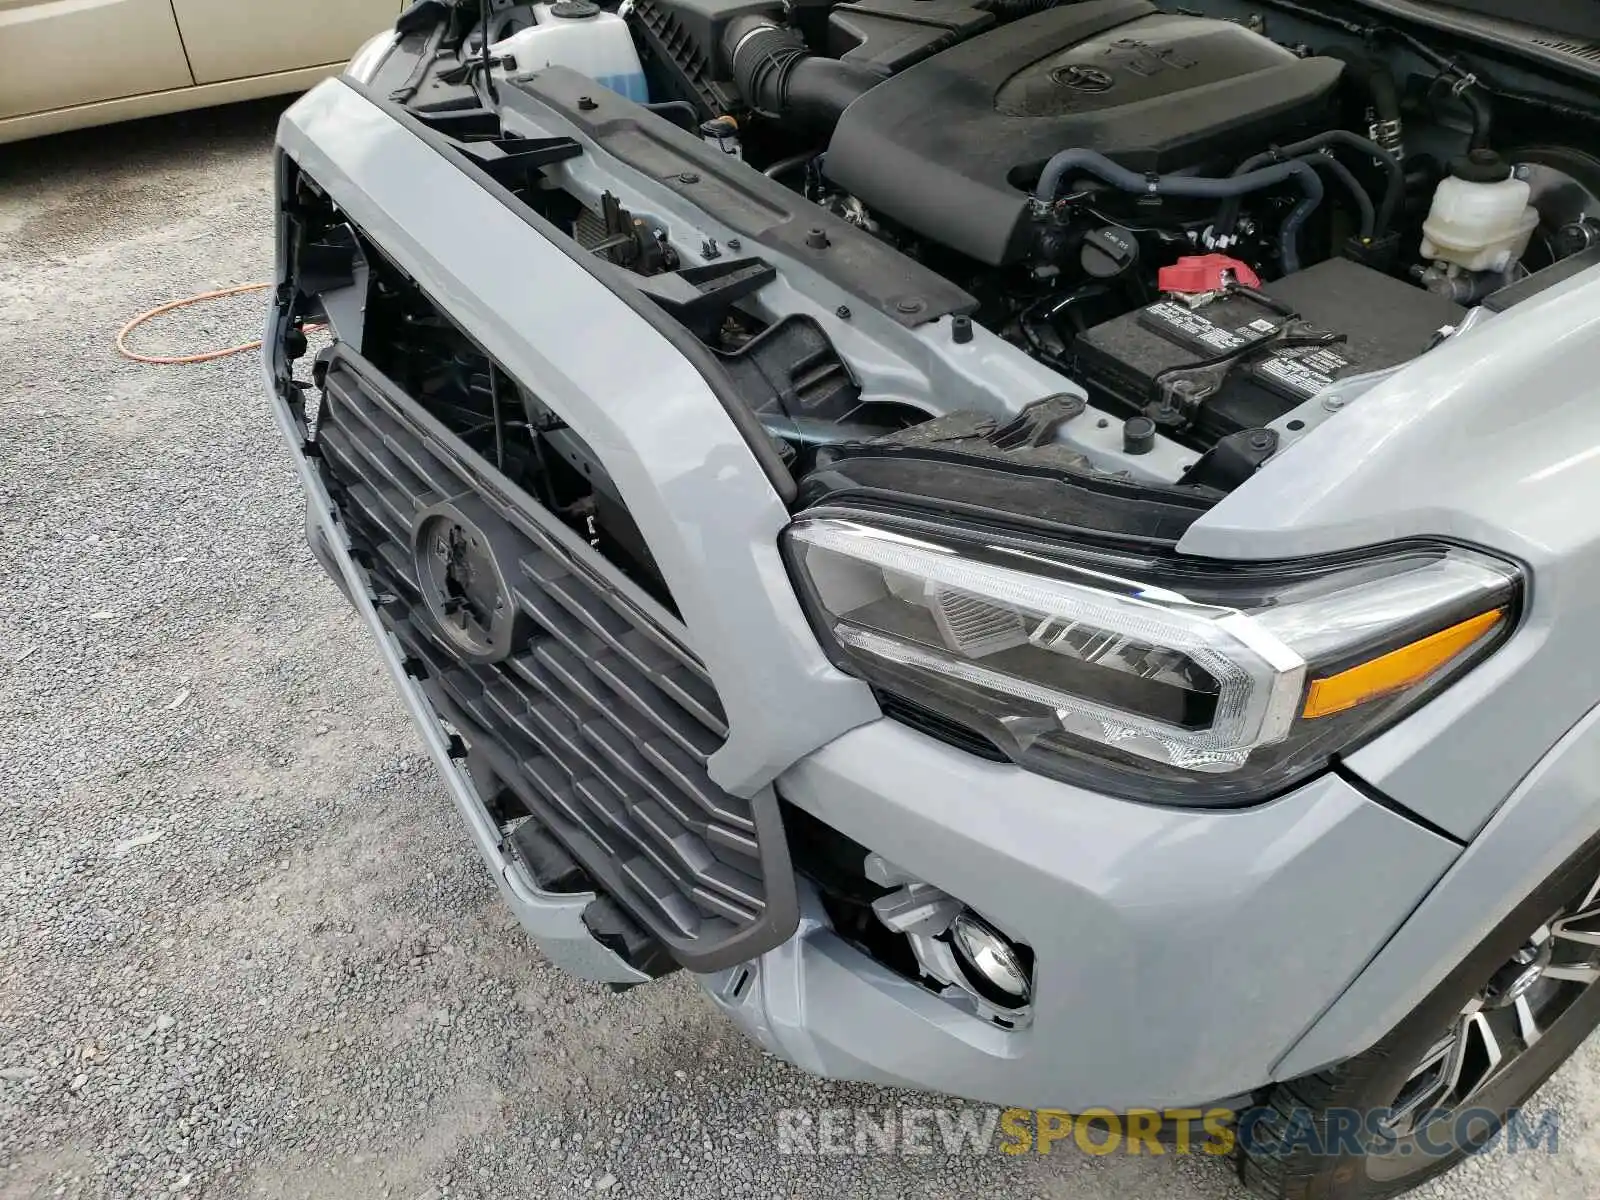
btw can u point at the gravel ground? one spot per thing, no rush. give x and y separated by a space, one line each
245 949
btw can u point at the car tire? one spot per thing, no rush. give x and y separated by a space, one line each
1313 1138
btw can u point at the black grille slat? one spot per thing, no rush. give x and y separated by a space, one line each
653 704
599 717
663 894
709 868
685 686
628 672
399 567
602 681
688 776
550 567
535 673
429 474
662 791
386 476
684 682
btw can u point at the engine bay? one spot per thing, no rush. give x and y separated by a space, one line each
1107 240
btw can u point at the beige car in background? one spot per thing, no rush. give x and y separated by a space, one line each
66 64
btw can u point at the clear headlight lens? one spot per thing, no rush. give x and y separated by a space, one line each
1166 679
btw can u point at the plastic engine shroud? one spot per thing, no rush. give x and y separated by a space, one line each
949 146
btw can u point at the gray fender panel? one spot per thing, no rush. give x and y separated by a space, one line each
1553 813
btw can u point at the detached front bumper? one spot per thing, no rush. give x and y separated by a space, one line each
1179 954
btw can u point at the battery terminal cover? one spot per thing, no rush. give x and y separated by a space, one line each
1200 273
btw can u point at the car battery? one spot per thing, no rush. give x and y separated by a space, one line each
1384 322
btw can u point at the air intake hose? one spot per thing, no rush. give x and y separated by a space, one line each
775 73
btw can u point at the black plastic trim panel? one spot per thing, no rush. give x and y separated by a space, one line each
758 208
615 280
600 720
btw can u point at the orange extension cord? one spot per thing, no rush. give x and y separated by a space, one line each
178 360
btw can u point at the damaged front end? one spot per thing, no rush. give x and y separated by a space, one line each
518 584
771 618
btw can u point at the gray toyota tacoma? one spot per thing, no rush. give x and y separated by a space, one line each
1045 552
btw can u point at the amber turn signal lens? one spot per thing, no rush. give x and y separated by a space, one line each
1397 669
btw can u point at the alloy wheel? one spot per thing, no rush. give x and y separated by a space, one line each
1543 979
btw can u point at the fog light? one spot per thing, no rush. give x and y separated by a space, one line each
992 964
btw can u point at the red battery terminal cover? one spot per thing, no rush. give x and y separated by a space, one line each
1205 273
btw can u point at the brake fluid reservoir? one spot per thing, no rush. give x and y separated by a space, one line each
1480 219
580 35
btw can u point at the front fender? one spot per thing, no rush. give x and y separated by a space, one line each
1492 438
1554 812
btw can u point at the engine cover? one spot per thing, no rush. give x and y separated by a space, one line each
949 146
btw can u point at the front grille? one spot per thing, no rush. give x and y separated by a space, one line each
591 711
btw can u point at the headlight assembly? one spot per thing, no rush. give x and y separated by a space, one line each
1172 680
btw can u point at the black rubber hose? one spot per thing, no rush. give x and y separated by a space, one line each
680 112
1393 192
775 73
784 165
1475 93
1363 202
1477 102
1092 162
1466 88
1374 78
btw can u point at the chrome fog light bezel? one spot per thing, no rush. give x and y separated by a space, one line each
991 962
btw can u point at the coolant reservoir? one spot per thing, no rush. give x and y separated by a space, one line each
1480 219
579 35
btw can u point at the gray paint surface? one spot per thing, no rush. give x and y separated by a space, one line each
1031 847
1179 953
1488 439
1554 811
91 230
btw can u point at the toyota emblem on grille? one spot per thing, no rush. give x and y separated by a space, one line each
1083 79
456 550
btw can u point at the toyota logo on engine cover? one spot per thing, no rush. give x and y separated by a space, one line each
1083 79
